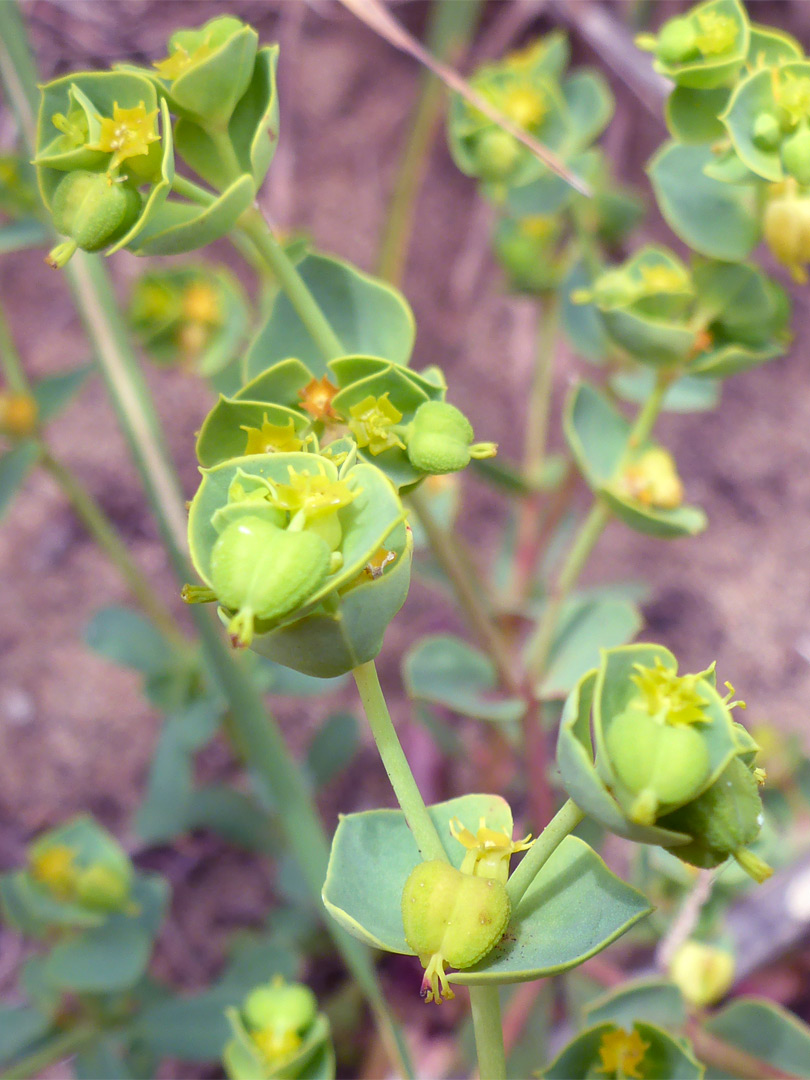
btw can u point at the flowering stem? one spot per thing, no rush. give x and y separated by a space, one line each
564 821
54 1050
396 764
486 1015
540 398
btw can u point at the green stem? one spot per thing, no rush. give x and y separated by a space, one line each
564 821
103 532
396 764
450 29
55 1050
540 398
467 590
539 647
226 153
486 1014
195 193
257 229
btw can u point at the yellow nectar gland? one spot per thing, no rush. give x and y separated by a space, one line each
621 1054
274 1046
316 399
652 480
74 126
525 106
128 134
201 303
488 850
270 438
372 423
313 495
717 34
792 93
663 279
55 869
18 415
181 60
671 697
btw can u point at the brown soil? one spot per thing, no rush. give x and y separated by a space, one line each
76 734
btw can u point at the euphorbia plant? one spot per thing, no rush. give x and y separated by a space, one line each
312 465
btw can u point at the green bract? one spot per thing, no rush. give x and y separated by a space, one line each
610 1051
97 131
767 118
704 48
310 562
278 1034
644 776
639 483
374 854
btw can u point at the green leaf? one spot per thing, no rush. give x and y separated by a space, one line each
104 1060
127 638
333 746
192 1028
112 957
19 1028
369 317
223 433
752 96
444 670
14 467
574 907
655 1001
707 71
23 234
178 227
586 625
665 1058
236 817
54 393
687 394
693 116
583 324
765 1030
590 104
254 126
714 218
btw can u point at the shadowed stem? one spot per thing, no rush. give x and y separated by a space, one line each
564 821
486 1014
54 1050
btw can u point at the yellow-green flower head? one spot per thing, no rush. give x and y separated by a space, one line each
792 94
180 60
74 128
717 33
703 973
373 422
202 303
55 868
652 480
127 134
281 438
488 850
668 697
786 226
316 399
18 415
277 1016
313 496
622 1054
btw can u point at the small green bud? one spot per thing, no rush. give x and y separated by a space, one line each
677 41
103 888
767 133
723 821
661 764
786 226
497 153
703 973
93 211
440 439
796 155
451 918
262 571
280 1007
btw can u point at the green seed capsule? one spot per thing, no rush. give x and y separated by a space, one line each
723 821
497 153
767 132
677 42
451 918
796 155
660 764
262 571
280 1007
92 210
439 438
103 888
786 226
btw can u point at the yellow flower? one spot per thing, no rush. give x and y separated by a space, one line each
181 60
663 279
272 437
127 134
488 850
313 494
372 423
792 92
653 480
18 415
718 33
274 1046
703 973
622 1053
201 303
525 106
316 399
56 870
673 697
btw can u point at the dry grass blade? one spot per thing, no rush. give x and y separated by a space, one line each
374 15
